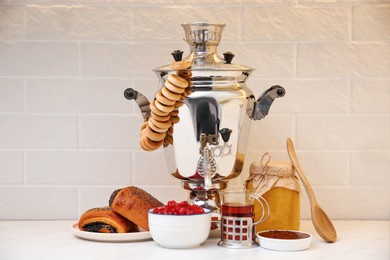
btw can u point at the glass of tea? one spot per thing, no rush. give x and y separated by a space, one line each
238 228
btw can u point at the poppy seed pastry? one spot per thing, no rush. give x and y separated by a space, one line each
133 203
105 220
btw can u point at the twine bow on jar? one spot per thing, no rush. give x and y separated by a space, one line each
265 175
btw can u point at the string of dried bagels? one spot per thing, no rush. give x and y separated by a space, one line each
157 129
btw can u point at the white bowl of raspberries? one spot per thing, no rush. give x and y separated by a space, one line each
179 225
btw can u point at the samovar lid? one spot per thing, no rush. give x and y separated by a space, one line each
203 39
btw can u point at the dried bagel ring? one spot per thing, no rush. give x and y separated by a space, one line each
188 91
168 139
177 81
153 144
175 119
161 125
148 147
143 145
157 111
144 124
186 74
164 108
181 65
163 100
173 88
184 95
175 112
143 133
170 131
156 128
168 94
166 143
178 104
154 136
161 118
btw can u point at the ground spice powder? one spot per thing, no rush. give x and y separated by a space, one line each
284 234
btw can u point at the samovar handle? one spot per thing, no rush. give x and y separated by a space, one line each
264 102
142 102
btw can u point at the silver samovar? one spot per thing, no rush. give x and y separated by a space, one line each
210 140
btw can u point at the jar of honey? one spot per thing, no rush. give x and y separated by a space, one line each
279 186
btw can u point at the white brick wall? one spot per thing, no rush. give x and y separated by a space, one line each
68 138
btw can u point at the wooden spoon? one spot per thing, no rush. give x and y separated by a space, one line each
321 221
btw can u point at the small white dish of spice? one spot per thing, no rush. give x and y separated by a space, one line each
284 240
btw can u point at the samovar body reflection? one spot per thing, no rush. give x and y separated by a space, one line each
210 140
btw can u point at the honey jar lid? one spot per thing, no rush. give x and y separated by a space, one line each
266 174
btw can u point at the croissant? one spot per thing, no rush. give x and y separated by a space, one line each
133 203
105 220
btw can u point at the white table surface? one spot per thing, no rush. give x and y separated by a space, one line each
54 240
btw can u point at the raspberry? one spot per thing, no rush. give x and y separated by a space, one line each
182 208
171 203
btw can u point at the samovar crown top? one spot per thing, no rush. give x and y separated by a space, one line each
203 39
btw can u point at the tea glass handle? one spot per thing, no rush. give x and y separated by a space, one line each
264 206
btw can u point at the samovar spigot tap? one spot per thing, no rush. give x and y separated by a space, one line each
207 165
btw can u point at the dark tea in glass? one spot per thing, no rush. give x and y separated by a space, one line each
237 223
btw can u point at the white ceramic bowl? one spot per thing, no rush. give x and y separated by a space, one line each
301 242
179 231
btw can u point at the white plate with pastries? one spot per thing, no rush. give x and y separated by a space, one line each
142 235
